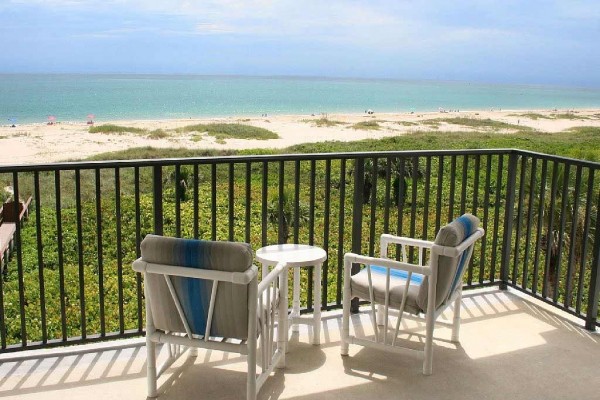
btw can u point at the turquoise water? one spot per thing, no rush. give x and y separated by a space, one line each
32 98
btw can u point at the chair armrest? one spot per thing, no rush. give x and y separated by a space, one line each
350 258
421 245
391 239
271 277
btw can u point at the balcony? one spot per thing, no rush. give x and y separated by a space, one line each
528 323
511 347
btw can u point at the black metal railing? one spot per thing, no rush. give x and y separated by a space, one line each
68 278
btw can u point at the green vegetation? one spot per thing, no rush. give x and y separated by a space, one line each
111 129
323 121
367 125
482 123
534 116
231 131
407 123
568 115
158 134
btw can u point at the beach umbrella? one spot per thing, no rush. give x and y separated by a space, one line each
51 118
12 120
90 117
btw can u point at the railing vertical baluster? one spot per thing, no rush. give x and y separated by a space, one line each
426 198
572 241
100 253
589 200
296 200
530 214
40 254
157 186
19 249
341 226
281 234
2 316
178 197
561 232
248 200
357 217
373 200
264 201
452 188
519 220
61 268
388 188
80 254
439 194
474 210
119 249
401 198
496 216
594 296
550 229
213 201
413 206
311 228
231 203
463 185
486 200
327 211
196 201
138 253
540 223
508 219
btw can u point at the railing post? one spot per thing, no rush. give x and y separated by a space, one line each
158 199
357 217
508 218
594 296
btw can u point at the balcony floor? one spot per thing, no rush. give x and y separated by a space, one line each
511 348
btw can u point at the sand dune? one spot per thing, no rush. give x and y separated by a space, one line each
41 143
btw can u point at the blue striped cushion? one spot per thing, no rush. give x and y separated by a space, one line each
230 314
450 270
397 273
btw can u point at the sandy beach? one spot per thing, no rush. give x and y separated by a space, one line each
43 143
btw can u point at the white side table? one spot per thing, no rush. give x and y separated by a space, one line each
297 256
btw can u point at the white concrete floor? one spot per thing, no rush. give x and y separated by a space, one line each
511 348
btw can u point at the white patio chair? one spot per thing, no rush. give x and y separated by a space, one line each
414 288
204 294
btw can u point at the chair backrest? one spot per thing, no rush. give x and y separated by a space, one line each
230 317
450 269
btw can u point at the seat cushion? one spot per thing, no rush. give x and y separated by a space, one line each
360 287
450 269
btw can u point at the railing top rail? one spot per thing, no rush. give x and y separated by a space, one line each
241 159
568 160
280 157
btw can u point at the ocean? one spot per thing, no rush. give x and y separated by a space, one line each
30 98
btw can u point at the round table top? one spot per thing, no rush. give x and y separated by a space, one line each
298 255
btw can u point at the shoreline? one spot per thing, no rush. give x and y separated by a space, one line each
67 140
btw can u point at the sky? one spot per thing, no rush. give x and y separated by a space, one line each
496 41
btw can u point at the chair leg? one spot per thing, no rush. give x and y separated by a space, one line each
380 318
151 367
251 379
346 311
428 362
456 319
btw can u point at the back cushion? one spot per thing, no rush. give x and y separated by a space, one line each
230 317
450 270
